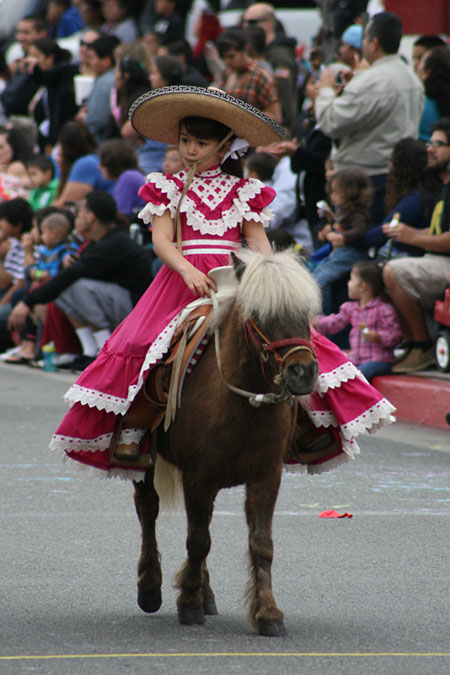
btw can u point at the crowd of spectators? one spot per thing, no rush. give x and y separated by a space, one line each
367 137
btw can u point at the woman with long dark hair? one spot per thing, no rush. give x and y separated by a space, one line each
408 195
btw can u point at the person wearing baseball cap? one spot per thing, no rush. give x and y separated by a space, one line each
351 43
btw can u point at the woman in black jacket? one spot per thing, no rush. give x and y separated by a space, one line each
54 102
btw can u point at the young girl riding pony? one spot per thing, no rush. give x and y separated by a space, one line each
199 216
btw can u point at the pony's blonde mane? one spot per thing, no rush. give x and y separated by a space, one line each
277 286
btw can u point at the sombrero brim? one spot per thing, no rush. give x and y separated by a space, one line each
158 113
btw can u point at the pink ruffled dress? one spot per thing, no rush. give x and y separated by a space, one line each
212 214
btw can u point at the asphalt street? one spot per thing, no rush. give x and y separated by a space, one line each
360 596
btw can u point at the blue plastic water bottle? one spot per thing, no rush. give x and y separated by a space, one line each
48 352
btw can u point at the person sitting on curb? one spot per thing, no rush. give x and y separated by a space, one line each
415 284
98 290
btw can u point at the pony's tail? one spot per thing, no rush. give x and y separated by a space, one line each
168 484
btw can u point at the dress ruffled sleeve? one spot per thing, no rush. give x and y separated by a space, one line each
159 193
257 206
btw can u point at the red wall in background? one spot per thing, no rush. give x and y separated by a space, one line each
422 17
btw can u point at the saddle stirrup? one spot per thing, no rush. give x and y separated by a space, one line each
120 450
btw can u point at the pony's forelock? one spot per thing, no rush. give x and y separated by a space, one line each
277 286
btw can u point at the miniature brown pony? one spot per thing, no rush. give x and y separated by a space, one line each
218 440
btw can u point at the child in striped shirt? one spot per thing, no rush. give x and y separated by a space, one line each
375 326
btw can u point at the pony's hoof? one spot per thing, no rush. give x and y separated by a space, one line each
271 628
209 607
149 601
191 617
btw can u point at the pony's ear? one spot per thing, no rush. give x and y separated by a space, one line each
239 266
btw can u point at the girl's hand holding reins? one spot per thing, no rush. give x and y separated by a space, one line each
197 282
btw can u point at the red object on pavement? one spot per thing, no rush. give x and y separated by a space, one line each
334 514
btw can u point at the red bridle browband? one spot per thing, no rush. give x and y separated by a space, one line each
254 335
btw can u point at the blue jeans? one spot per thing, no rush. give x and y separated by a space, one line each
337 264
371 369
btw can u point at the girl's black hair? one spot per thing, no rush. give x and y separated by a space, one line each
208 129
372 274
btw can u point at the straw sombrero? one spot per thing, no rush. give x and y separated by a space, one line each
157 114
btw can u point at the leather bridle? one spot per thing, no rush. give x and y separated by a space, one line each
255 338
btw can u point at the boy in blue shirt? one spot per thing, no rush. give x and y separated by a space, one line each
49 255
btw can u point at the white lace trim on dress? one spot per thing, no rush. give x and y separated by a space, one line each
128 436
96 399
368 422
212 193
61 444
116 404
334 378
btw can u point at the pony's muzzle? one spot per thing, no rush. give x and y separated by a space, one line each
300 376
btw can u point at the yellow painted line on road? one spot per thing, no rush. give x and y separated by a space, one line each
37 657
